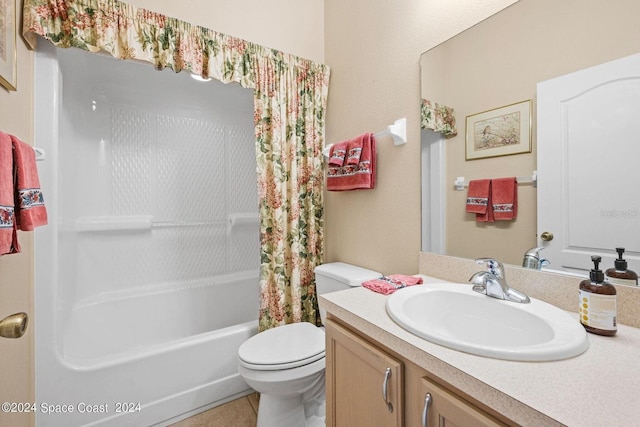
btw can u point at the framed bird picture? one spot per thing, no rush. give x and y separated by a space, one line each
499 132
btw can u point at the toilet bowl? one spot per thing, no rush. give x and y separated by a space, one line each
286 364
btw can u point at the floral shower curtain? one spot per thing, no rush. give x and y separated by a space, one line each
290 97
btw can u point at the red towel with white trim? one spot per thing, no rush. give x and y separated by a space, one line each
504 198
29 201
354 177
478 195
479 200
354 151
8 230
338 153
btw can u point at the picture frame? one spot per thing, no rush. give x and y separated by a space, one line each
8 49
502 131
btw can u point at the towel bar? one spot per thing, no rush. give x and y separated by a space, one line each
398 131
460 183
40 153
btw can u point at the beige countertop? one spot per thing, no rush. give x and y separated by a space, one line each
599 388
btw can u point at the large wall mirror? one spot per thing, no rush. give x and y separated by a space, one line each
497 63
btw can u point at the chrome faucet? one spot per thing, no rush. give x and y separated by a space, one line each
532 259
493 282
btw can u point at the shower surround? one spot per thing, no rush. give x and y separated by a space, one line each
147 276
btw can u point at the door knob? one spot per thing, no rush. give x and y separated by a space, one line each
547 236
14 326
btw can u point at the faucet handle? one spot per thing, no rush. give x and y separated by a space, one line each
495 267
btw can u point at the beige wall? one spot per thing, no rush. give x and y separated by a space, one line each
499 62
373 48
16 271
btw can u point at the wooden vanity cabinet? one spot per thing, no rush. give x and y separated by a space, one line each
441 408
355 374
364 385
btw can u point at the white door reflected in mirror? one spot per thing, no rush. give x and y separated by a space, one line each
587 129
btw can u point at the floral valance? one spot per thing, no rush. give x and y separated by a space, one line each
128 32
438 118
290 98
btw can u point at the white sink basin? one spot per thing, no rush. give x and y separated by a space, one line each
452 315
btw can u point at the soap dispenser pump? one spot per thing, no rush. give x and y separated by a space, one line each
598 305
619 275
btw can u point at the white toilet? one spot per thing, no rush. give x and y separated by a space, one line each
286 364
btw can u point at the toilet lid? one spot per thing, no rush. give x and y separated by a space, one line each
284 347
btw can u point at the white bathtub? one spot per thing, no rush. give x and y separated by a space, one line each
145 361
110 329
169 360
138 320
141 356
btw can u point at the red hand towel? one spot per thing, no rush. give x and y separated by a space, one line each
478 196
389 284
337 153
29 202
354 151
479 200
488 216
360 176
504 196
8 234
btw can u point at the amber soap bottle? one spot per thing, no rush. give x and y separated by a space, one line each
598 305
619 275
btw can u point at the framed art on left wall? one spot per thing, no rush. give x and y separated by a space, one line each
8 50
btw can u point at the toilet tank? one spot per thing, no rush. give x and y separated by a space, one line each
336 276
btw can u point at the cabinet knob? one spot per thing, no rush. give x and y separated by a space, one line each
547 236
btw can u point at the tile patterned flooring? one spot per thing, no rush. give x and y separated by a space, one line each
241 412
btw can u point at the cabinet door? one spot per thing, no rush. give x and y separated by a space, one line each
447 410
358 376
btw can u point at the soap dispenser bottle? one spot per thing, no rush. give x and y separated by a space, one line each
619 275
598 308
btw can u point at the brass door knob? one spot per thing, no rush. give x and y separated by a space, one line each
546 236
14 326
